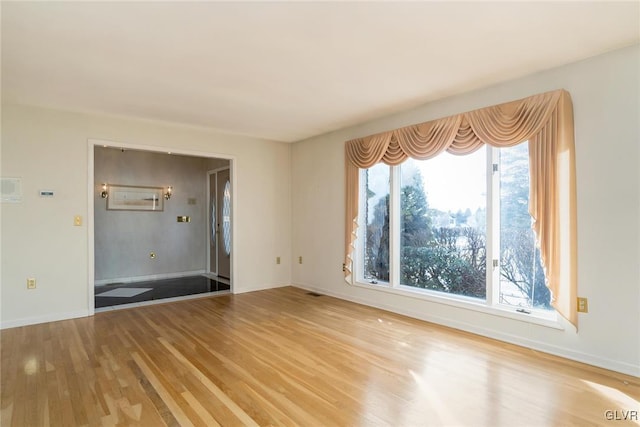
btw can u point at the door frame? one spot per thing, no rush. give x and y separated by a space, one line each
94 189
208 181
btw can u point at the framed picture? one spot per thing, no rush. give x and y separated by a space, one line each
132 198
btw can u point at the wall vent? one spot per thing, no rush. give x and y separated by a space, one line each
314 294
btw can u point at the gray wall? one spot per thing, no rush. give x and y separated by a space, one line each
124 239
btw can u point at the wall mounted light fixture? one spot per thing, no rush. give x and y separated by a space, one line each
104 193
167 195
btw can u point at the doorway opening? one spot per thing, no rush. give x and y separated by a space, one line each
150 233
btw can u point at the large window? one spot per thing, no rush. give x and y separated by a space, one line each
454 226
402 235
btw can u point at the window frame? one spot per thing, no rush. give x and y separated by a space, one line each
490 305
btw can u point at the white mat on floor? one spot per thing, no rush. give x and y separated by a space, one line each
124 292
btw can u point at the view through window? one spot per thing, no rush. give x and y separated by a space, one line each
444 221
376 211
522 281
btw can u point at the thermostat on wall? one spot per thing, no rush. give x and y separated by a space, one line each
46 193
10 190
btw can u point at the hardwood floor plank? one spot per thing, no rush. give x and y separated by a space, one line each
283 357
160 405
229 403
174 407
254 386
204 415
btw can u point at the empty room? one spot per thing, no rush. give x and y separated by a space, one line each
320 213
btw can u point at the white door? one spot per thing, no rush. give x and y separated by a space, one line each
224 240
220 223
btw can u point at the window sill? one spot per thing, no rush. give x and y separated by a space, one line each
549 320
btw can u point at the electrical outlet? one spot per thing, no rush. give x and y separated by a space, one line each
277 260
77 220
583 305
31 283
299 260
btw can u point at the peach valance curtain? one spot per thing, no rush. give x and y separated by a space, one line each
546 121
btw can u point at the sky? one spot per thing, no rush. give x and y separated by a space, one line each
455 183
452 183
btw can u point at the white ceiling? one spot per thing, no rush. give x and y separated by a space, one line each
287 71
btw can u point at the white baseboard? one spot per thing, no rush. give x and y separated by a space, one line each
259 288
134 279
567 353
52 317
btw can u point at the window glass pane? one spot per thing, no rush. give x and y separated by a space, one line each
226 217
522 282
443 224
375 185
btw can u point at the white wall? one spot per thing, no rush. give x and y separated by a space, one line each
48 149
605 92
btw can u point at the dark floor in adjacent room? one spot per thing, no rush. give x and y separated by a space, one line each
127 293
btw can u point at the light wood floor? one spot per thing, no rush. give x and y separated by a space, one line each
282 357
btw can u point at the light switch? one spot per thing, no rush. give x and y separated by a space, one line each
77 220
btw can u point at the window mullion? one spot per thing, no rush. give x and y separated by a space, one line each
361 242
493 226
394 226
